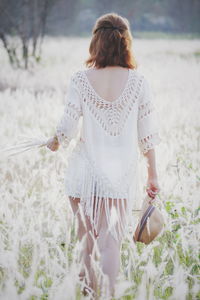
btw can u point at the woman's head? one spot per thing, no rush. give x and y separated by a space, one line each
111 43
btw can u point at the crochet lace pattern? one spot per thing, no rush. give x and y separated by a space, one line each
67 127
111 115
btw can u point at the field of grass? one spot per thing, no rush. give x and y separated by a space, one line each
38 245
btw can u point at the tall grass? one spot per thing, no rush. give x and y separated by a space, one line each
38 242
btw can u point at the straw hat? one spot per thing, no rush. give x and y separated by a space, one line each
150 223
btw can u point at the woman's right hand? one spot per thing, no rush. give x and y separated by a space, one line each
152 189
53 143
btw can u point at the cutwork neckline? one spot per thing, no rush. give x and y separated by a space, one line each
102 99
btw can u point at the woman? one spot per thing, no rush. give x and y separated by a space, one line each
114 102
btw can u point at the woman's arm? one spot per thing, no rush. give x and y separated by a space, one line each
148 136
67 127
152 179
150 155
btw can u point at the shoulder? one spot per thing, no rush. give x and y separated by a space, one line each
138 74
140 81
77 74
145 91
144 82
77 77
74 79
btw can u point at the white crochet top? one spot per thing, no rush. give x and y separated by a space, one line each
102 169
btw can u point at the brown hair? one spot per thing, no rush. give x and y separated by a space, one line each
111 43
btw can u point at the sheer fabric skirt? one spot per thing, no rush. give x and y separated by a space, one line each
98 195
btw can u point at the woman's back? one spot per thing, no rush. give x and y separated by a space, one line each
109 129
117 110
108 82
104 161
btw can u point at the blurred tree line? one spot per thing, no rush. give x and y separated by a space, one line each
78 16
30 20
22 29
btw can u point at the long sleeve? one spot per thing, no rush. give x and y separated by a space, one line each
67 127
148 129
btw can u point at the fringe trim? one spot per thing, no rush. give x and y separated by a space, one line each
101 198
